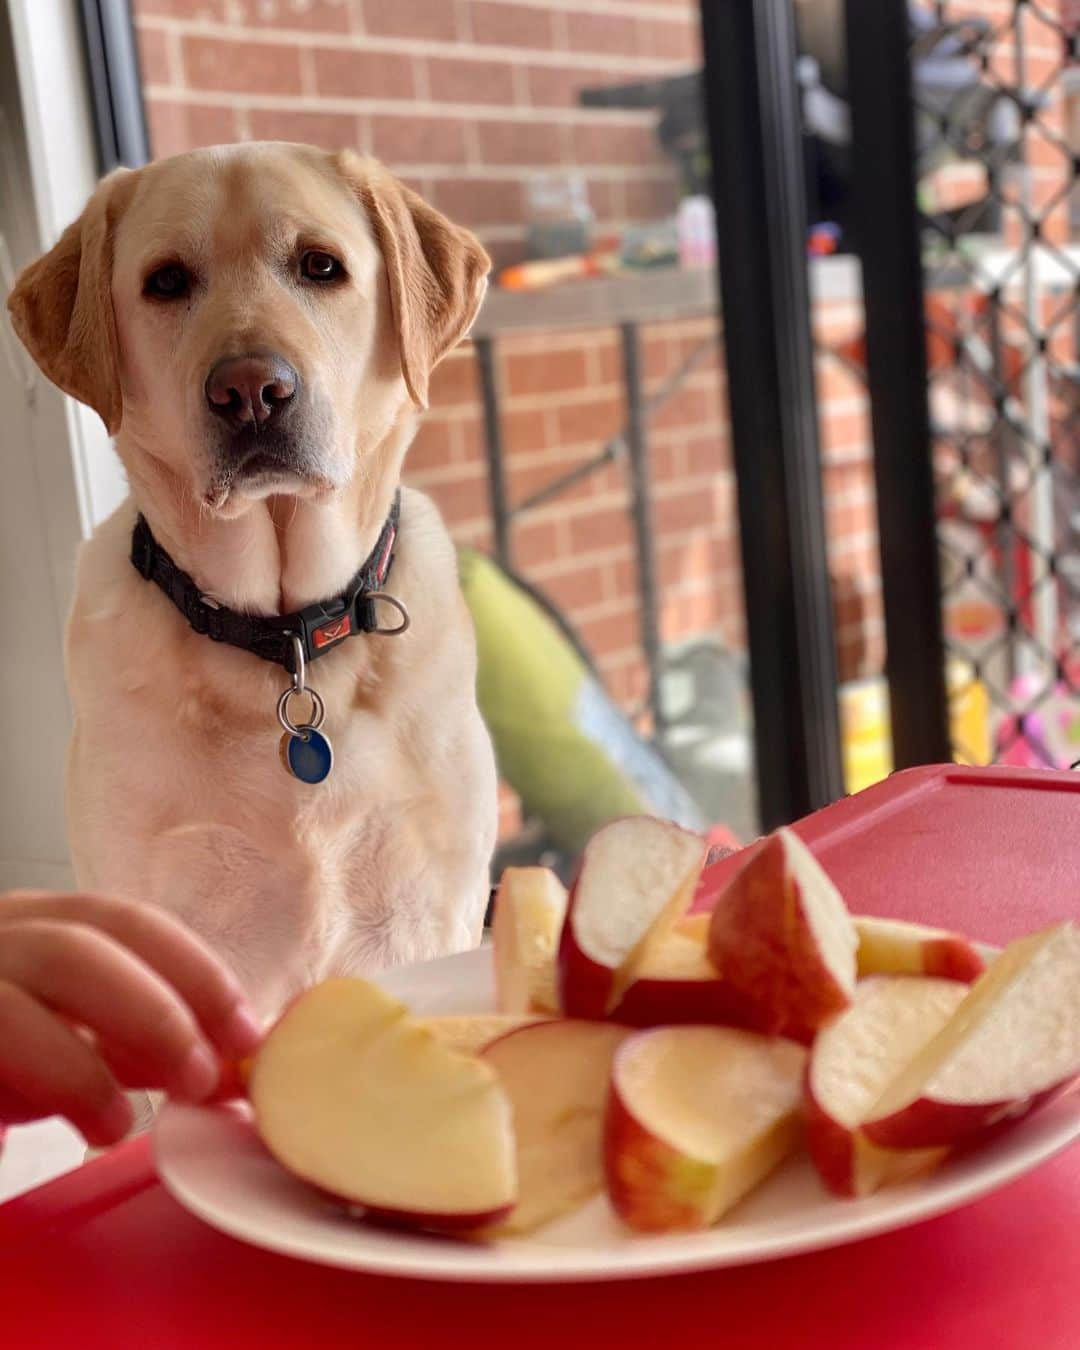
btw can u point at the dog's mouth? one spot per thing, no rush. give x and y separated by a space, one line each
256 464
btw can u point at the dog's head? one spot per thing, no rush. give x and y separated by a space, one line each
253 318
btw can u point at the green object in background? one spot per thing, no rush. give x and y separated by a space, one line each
564 747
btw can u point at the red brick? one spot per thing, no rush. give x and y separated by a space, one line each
506 142
524 431
154 65
210 10
177 127
363 74
688 408
463 499
845 429
627 683
432 448
418 20
479 202
605 198
544 372
649 199
685 510
241 67
613 633
511 25
454 381
596 421
457 81
602 33
332 131
580 588
670 40
322 15
526 479
615 143
710 453
600 531
560 86
412 139
534 542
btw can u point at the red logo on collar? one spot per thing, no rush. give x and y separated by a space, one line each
332 632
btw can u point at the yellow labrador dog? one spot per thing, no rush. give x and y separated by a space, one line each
256 325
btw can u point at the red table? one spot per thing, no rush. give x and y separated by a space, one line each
104 1258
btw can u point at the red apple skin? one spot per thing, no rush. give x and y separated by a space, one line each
785 1002
830 1145
952 958
585 986
927 1123
673 1002
645 1176
450 1224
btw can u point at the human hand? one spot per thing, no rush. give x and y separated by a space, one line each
98 995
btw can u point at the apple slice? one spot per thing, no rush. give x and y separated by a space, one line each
677 984
854 1058
694 926
529 911
781 936
472 1032
556 1076
891 947
1013 1043
351 1095
697 1117
636 879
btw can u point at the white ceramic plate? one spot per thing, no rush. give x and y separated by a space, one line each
210 1160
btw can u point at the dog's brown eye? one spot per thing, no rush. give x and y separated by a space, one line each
317 266
168 283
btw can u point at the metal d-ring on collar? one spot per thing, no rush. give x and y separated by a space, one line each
397 604
299 686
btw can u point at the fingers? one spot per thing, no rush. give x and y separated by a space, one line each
167 947
46 1067
86 976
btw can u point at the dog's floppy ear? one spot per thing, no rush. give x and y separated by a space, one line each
436 270
61 306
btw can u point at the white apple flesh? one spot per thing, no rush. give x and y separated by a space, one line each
697 1117
636 879
556 1076
854 1058
1012 1044
352 1096
781 937
530 906
892 947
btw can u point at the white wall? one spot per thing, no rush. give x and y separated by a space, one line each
58 475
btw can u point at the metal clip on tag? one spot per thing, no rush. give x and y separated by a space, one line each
305 752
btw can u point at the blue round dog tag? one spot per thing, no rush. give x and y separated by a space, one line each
308 756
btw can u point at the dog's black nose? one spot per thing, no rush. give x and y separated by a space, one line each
251 390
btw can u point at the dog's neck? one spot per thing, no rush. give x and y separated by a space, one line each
280 553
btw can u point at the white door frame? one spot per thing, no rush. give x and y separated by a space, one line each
60 474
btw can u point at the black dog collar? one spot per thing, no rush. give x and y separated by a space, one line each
318 627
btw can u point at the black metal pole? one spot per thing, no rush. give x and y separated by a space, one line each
493 446
112 60
887 224
752 107
638 454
